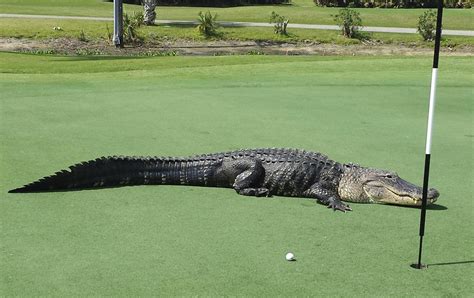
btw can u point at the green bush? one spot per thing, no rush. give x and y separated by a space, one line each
327 3
130 27
427 25
207 24
349 21
281 22
82 36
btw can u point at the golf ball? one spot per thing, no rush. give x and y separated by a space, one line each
290 256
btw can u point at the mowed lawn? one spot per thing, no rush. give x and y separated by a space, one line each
172 240
300 11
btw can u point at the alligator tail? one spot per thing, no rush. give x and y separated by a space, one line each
118 171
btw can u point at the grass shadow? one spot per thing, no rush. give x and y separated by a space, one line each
178 25
452 263
95 58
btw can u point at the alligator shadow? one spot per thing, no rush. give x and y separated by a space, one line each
433 207
81 189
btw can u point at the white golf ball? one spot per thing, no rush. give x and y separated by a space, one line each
290 256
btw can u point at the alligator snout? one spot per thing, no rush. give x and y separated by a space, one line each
433 195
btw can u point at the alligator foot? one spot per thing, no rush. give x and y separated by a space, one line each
258 192
338 205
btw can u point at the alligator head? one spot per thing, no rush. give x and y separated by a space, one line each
368 185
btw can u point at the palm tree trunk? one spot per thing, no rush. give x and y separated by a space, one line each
149 14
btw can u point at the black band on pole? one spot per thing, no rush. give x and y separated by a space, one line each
439 22
426 177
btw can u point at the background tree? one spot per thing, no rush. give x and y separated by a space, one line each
427 25
281 22
349 21
149 13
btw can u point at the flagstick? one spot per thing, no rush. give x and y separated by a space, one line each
434 77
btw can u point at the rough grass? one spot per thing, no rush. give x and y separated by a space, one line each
301 11
93 30
173 241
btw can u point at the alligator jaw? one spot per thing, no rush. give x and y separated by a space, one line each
409 200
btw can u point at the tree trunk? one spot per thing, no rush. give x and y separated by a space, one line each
149 14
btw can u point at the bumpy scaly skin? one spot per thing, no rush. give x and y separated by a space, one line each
252 172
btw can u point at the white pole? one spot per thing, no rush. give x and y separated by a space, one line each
429 130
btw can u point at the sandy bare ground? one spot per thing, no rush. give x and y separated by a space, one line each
185 47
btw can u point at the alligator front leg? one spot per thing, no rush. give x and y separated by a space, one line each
326 197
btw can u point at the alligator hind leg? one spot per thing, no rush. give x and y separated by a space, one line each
247 182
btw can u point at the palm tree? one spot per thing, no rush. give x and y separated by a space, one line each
149 14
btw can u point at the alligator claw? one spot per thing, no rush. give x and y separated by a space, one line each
338 205
262 192
258 192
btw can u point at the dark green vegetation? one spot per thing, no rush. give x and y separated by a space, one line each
394 3
171 240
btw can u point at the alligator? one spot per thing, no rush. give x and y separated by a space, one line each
250 172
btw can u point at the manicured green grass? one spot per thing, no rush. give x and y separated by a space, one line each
171 240
301 11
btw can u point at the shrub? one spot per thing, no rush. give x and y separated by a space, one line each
82 36
280 23
369 4
207 24
324 3
427 25
336 3
130 27
392 3
109 33
349 21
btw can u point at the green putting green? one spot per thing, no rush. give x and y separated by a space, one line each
172 240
